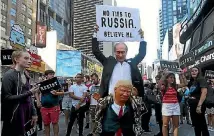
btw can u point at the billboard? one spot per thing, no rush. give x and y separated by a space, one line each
165 46
177 48
68 63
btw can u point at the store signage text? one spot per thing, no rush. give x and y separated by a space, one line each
203 59
204 47
195 15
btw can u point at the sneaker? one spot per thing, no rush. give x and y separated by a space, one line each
171 130
77 129
212 129
209 128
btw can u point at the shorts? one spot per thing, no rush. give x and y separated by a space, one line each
66 105
171 109
210 111
50 115
93 112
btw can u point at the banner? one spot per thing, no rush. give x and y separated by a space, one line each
41 35
36 59
68 63
117 24
187 60
170 65
49 85
90 66
209 74
6 57
39 69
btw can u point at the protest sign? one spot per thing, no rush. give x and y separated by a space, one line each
30 130
94 89
170 65
187 60
209 74
6 57
117 24
49 85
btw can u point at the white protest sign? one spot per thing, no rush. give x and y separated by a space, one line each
117 24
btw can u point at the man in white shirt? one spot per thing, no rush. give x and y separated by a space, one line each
118 67
78 93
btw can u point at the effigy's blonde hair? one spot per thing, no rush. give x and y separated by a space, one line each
125 83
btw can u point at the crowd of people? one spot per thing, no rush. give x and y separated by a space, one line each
119 104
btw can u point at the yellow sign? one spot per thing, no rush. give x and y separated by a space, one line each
40 69
90 66
98 68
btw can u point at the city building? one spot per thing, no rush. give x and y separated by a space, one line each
57 15
197 35
21 12
84 20
171 12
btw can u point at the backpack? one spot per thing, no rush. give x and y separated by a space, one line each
209 101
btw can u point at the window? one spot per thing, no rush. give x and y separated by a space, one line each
14 2
23 28
3 30
30 1
12 22
208 25
196 37
13 12
3 19
23 17
28 41
29 11
23 7
3 42
29 31
3 6
29 21
187 46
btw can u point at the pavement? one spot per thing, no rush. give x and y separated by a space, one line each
184 130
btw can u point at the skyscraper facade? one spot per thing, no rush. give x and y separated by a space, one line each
57 15
84 20
171 12
19 12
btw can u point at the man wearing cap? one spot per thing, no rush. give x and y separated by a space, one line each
119 115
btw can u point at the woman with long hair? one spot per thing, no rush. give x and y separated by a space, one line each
67 101
198 91
170 101
18 109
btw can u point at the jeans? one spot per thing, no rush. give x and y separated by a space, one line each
74 113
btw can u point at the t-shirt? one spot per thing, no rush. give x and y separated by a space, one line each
49 100
195 89
78 91
170 96
93 89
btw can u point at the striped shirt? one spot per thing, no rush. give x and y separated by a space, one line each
170 96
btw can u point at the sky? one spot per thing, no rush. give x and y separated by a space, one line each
149 17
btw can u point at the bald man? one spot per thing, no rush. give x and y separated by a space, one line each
117 67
